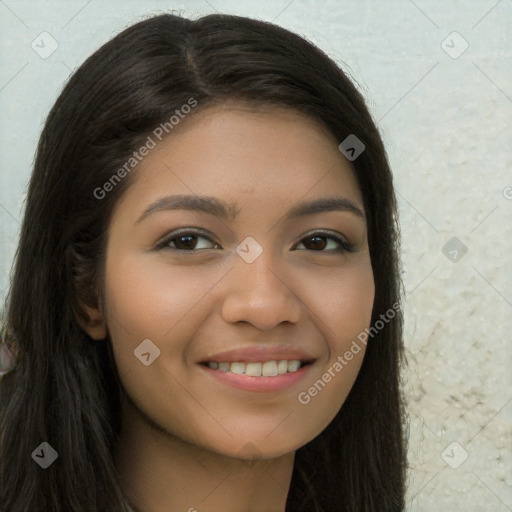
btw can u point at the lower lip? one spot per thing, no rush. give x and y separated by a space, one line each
263 384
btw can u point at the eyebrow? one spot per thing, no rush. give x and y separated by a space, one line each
229 211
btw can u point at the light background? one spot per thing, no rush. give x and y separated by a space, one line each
445 117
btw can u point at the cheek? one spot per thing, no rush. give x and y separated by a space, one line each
157 302
345 308
151 300
161 304
345 303
138 301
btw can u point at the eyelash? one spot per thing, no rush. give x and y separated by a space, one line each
164 244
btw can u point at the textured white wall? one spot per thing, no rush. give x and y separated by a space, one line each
445 114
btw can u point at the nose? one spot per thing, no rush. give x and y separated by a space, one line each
260 293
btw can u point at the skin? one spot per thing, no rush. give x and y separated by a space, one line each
190 442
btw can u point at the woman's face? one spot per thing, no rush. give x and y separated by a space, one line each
257 285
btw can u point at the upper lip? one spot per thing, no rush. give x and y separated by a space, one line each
259 353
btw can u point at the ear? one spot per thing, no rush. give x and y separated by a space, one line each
85 297
94 325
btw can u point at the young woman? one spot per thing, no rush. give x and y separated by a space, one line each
205 308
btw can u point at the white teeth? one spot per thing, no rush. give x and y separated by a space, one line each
237 368
224 367
293 366
259 369
269 369
282 366
253 369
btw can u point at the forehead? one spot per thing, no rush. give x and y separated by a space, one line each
263 155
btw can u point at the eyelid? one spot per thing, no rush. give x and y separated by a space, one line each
345 244
162 242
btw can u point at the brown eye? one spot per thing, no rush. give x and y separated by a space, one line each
318 242
186 241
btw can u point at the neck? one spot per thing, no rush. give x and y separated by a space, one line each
159 472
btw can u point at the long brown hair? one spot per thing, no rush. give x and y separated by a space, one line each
65 388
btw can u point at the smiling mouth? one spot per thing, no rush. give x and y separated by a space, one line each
271 368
